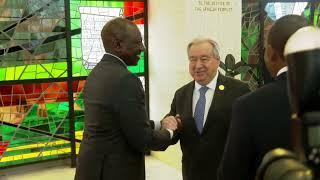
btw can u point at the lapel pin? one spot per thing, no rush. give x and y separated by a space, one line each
221 87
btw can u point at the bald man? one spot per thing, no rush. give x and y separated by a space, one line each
117 131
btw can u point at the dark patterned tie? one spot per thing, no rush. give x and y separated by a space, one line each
200 107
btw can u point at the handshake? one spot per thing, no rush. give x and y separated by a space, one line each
171 122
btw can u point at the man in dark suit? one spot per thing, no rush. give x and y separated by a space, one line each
117 131
261 119
204 107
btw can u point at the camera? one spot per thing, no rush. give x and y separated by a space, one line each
302 53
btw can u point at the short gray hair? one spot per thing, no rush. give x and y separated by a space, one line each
215 47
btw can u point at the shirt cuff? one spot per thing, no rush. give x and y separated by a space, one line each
157 125
171 133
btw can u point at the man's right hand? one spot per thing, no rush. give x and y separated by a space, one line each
171 122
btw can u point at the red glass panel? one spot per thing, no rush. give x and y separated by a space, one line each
135 9
3 147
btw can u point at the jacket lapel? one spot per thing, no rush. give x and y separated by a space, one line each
218 97
188 115
189 98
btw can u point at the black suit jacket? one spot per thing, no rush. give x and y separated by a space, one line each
202 152
117 131
260 123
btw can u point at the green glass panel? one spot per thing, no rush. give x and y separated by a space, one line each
35 71
32 118
64 106
19 71
40 69
306 12
65 74
57 110
6 132
92 3
48 67
134 69
76 22
57 72
31 68
79 100
100 4
84 72
76 68
78 52
76 42
43 75
139 68
2 74
10 73
25 76
60 66
316 17
79 125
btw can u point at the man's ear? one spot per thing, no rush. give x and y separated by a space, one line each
116 44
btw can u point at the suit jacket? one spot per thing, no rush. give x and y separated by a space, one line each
260 123
202 152
117 131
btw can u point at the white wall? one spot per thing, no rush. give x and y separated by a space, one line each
168 64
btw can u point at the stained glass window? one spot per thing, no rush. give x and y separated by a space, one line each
250 42
33 118
32 40
278 9
90 16
252 18
34 100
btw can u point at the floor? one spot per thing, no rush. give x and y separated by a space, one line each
155 170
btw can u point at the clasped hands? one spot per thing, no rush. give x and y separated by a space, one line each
171 122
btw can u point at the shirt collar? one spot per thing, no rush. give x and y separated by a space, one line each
282 70
210 85
117 58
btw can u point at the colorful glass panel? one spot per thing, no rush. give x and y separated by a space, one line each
90 16
32 39
33 117
32 36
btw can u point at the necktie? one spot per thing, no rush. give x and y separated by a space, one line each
200 107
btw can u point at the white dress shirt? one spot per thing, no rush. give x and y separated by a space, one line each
282 70
209 96
117 58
